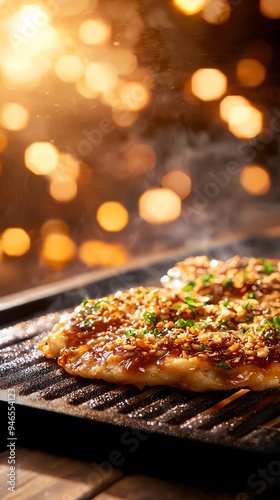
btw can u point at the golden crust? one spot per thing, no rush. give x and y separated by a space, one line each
180 336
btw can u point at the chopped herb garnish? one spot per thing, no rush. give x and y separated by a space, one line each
85 302
138 290
228 283
177 307
248 306
251 295
268 267
202 346
130 333
156 332
190 286
150 318
184 323
244 274
98 303
225 302
191 302
276 323
223 322
207 278
268 335
201 324
224 365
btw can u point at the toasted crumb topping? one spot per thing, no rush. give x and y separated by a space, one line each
216 279
227 313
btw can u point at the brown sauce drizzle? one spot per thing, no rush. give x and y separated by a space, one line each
103 344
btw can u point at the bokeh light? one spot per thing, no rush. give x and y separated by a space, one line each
54 226
208 84
30 44
166 92
84 90
190 7
245 121
123 117
99 253
73 7
100 76
63 190
15 241
229 103
138 158
250 72
179 182
159 205
94 32
112 216
124 61
57 250
216 11
14 116
69 68
41 157
255 179
134 96
270 8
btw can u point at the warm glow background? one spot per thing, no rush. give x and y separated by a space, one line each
127 130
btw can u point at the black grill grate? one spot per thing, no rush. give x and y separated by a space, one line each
241 419
237 419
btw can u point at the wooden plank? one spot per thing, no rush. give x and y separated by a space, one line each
44 475
142 487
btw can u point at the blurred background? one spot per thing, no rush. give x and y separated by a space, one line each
132 128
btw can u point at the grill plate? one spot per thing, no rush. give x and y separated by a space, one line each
240 419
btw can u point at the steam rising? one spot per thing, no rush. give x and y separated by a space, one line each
133 128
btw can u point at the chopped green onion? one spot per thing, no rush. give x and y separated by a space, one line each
225 302
130 333
201 324
268 335
156 332
276 323
228 283
224 365
85 302
191 302
223 322
98 303
184 323
207 278
248 306
268 267
202 346
251 295
150 318
244 274
191 284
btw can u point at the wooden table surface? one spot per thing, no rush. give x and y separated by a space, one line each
41 475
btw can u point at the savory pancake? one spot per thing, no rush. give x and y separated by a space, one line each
180 337
251 277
